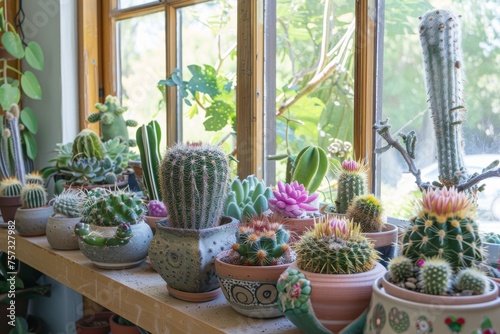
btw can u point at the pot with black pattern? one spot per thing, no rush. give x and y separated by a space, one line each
250 290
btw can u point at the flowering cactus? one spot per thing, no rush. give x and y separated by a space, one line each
292 200
352 182
157 209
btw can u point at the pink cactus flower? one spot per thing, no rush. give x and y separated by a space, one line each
292 200
350 165
447 201
339 226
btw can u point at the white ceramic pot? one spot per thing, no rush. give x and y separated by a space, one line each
32 222
60 232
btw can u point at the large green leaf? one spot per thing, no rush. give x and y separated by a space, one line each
28 118
31 86
9 95
204 80
30 143
12 43
218 115
34 56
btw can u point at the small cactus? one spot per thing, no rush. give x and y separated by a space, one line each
335 247
261 242
67 203
351 183
292 200
368 212
473 280
157 208
10 187
436 276
87 144
35 177
33 196
400 269
310 167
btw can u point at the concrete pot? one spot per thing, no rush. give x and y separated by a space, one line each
185 258
60 232
32 222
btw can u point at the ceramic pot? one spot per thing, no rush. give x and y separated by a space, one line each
97 323
185 259
497 281
250 290
60 232
386 242
297 226
339 299
151 221
32 222
493 252
117 328
391 312
128 255
8 207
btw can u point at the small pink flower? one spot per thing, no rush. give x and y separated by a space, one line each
420 263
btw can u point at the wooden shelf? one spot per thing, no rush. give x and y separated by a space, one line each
139 294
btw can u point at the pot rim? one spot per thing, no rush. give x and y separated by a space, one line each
377 269
160 224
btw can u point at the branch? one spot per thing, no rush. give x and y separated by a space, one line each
478 178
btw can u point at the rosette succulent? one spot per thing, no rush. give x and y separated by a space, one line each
292 200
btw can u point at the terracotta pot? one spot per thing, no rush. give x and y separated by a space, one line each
117 328
339 299
297 226
8 207
497 281
185 258
385 242
97 323
151 221
60 234
250 290
389 314
33 222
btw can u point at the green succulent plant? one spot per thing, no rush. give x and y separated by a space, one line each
67 203
33 195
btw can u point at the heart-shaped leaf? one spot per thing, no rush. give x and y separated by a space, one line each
31 86
34 56
29 120
9 95
12 43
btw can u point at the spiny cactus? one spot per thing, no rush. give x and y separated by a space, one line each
112 207
11 152
261 242
10 187
112 123
472 280
335 247
292 200
436 276
351 183
444 227
247 198
400 269
310 167
35 177
193 181
93 171
368 212
33 196
67 203
122 236
87 144
157 209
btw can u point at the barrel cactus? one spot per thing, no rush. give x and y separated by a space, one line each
33 196
368 212
67 202
335 246
193 182
35 177
87 144
436 276
473 280
352 176
292 200
10 187
400 269
444 228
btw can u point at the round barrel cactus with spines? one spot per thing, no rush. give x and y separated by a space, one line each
193 182
10 187
436 276
351 183
35 177
367 211
33 196
67 203
444 228
400 269
473 280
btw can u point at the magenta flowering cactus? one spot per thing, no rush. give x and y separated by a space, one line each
292 200
157 209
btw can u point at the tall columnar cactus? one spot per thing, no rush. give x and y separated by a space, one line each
112 207
193 181
11 153
444 228
148 141
87 144
33 196
310 167
400 269
112 123
351 183
67 203
335 247
367 211
10 187
261 242
436 276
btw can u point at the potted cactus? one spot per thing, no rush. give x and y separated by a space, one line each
112 232
193 182
156 211
148 141
66 215
10 197
352 176
31 218
330 283
248 273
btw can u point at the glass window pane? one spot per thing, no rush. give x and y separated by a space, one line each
405 101
122 4
141 64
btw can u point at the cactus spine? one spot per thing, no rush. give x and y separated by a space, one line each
310 167
436 276
10 187
67 203
33 196
472 280
148 141
351 183
194 180
87 144
367 211
441 42
400 269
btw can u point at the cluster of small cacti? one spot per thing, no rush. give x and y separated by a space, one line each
263 241
292 200
352 178
111 207
67 203
368 212
157 208
33 195
10 187
310 167
93 171
247 198
193 182
335 246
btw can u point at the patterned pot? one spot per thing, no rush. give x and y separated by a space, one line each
32 222
126 255
60 232
185 258
250 290
391 312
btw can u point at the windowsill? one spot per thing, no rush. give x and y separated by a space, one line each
138 294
